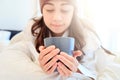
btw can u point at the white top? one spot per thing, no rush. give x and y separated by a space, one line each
20 61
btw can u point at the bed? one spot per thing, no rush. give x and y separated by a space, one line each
6 36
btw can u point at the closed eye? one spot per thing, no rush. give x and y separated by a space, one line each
65 11
49 10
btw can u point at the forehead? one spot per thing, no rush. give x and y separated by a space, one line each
56 0
65 1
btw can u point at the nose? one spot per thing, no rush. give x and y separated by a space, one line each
57 16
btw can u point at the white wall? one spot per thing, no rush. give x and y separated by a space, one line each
105 15
14 14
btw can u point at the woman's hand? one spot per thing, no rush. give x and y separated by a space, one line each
68 64
48 59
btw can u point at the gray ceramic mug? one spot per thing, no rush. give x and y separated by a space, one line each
65 44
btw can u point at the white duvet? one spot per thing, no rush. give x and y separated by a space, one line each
19 61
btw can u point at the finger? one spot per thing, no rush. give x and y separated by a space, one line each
52 69
45 51
50 64
64 69
77 53
60 71
71 64
49 56
66 56
41 48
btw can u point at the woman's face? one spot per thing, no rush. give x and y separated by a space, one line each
57 15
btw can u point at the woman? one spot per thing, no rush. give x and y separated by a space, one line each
27 55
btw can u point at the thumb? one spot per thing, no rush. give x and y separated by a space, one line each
41 48
77 53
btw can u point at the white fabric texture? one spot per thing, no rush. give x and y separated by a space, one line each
4 39
4 35
20 61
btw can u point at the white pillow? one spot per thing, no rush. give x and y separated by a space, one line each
4 35
4 39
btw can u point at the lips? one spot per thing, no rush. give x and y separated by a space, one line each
56 25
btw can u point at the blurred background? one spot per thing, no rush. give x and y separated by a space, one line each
103 14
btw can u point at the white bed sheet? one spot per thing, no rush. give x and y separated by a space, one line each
3 44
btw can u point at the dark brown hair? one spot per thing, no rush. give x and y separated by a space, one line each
76 30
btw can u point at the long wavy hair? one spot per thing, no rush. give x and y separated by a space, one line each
76 30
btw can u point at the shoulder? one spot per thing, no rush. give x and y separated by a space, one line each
25 34
91 38
27 30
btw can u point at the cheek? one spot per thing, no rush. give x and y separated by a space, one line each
68 19
46 19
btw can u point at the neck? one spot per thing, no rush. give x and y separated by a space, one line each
56 35
64 34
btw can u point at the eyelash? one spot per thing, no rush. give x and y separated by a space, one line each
49 10
64 11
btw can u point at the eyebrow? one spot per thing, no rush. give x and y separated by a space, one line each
48 3
53 5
